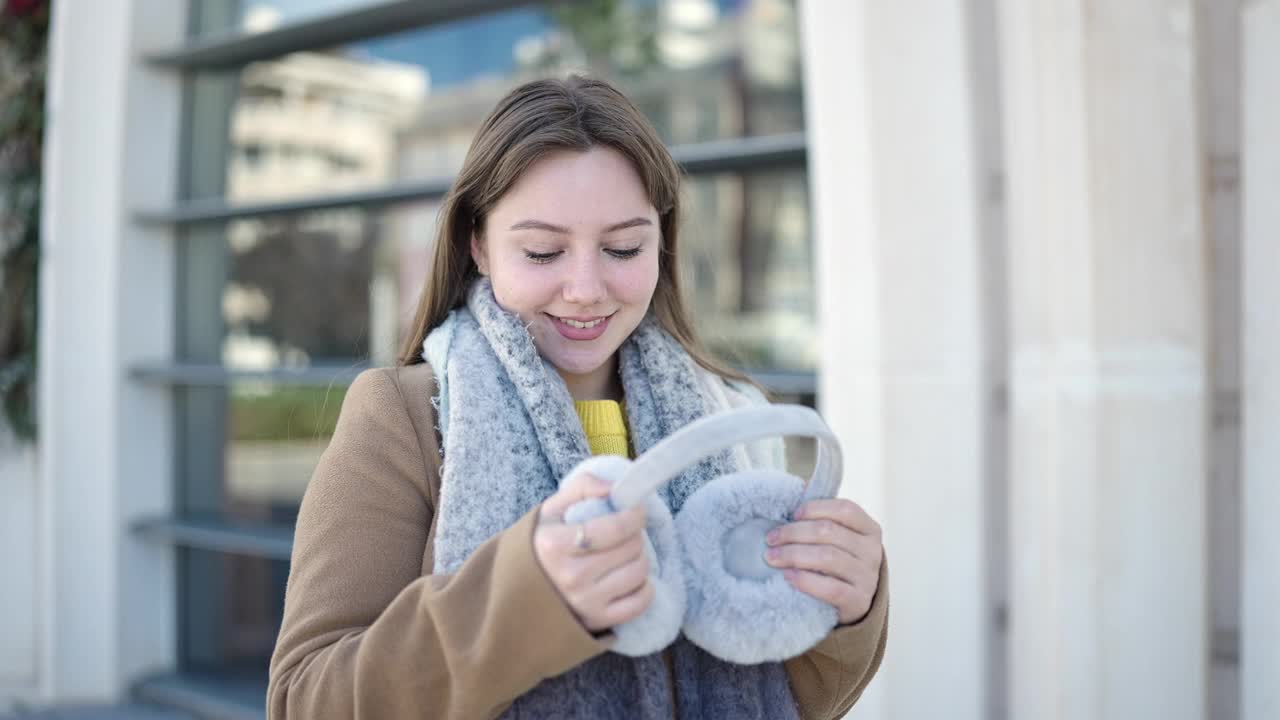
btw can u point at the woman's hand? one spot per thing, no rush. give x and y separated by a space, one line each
831 550
599 567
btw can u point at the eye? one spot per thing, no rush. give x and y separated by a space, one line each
541 258
624 254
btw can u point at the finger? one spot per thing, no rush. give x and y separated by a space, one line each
619 581
598 535
599 565
826 559
610 531
628 607
582 486
574 571
836 592
840 510
818 532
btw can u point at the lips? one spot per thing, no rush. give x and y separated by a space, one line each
580 328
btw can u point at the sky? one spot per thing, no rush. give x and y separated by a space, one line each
452 54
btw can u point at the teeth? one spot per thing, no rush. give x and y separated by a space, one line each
582 325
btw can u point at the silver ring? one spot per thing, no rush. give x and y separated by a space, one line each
581 541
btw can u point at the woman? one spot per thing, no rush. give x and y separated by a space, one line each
433 573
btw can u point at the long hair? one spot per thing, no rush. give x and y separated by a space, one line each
537 118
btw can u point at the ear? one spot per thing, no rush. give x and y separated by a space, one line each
478 254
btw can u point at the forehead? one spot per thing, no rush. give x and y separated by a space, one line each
569 187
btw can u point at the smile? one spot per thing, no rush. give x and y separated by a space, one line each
585 329
581 325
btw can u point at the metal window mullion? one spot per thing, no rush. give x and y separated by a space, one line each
200 412
210 211
213 375
719 156
785 382
204 696
238 48
273 542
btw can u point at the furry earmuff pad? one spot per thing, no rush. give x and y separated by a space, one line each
745 620
659 625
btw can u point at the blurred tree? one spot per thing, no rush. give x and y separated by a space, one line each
316 282
612 37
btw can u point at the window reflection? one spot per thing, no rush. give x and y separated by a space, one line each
747 261
249 17
332 286
404 107
275 436
233 611
340 286
301 288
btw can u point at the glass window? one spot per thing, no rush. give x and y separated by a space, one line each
232 609
339 287
275 436
311 288
746 255
404 107
256 16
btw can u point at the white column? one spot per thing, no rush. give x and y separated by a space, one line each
106 304
19 593
894 171
1260 572
1108 358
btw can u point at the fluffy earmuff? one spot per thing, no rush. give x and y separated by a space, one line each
707 563
660 623
740 608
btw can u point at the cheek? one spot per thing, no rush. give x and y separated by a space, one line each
516 277
519 290
637 282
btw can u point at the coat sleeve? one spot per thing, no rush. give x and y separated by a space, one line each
828 679
365 634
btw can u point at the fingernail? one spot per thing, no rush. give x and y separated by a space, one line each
774 553
799 513
772 537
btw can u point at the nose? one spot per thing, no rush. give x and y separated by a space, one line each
584 285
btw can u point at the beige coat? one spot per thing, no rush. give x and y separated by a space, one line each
369 632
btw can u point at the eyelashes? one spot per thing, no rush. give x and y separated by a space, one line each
544 258
624 254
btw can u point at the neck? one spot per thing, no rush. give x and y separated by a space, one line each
602 383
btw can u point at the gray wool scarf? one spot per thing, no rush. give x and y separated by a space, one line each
511 432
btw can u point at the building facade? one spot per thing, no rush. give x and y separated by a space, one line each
1022 255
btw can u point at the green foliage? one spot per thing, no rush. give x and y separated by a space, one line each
24 35
286 413
616 37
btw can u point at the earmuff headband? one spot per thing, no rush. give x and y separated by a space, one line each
721 431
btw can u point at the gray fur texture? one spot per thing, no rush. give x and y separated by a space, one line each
786 621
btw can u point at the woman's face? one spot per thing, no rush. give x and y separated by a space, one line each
572 248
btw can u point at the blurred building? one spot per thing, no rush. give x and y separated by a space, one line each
1022 255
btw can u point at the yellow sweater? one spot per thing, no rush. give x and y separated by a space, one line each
606 426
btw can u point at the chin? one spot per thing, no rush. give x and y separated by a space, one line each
578 366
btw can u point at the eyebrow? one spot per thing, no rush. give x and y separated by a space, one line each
540 225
